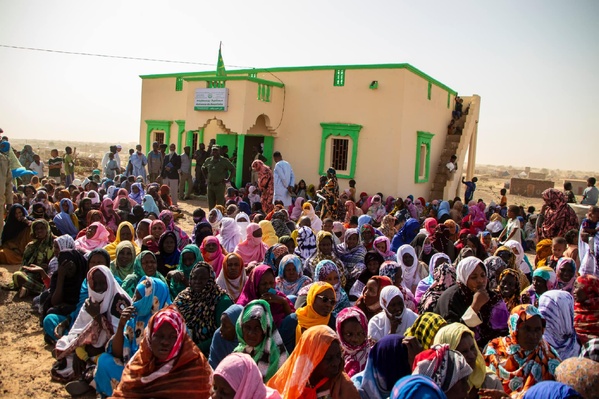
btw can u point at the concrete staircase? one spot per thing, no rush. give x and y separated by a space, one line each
443 177
447 185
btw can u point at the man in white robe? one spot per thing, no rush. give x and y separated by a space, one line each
284 180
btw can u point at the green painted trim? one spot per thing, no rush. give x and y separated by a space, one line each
343 130
180 131
215 84
179 84
430 89
201 138
263 93
423 138
189 138
339 78
239 166
448 99
269 143
409 67
147 149
225 78
152 125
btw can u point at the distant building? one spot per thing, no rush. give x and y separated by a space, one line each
350 117
529 187
537 175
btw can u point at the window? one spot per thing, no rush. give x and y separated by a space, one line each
339 148
339 154
159 130
422 163
263 92
430 90
339 79
423 157
215 84
179 84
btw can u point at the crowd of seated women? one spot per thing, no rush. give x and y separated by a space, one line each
400 298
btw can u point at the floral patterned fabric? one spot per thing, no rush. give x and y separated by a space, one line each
519 369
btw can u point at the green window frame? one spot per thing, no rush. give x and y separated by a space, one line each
179 84
252 75
339 77
430 90
263 92
159 125
423 157
346 130
215 84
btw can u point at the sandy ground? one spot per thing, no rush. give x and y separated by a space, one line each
25 360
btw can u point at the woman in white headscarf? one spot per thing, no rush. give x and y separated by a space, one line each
229 235
412 270
214 218
243 220
471 302
395 318
98 319
521 259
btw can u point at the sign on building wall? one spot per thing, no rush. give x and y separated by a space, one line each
211 99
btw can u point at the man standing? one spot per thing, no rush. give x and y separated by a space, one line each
470 188
54 166
284 180
185 174
117 158
200 183
170 172
69 165
6 181
37 166
111 169
590 195
155 162
218 171
138 162
106 157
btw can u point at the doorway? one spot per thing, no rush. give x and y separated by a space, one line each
252 144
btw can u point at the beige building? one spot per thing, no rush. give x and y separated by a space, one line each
383 125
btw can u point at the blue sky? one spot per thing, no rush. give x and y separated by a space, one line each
533 62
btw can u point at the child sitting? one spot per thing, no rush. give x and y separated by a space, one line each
572 249
512 229
253 196
558 247
589 224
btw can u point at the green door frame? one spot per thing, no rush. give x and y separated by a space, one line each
180 130
231 141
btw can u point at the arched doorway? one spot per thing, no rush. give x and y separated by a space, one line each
258 137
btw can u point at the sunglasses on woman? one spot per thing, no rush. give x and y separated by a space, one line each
326 300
